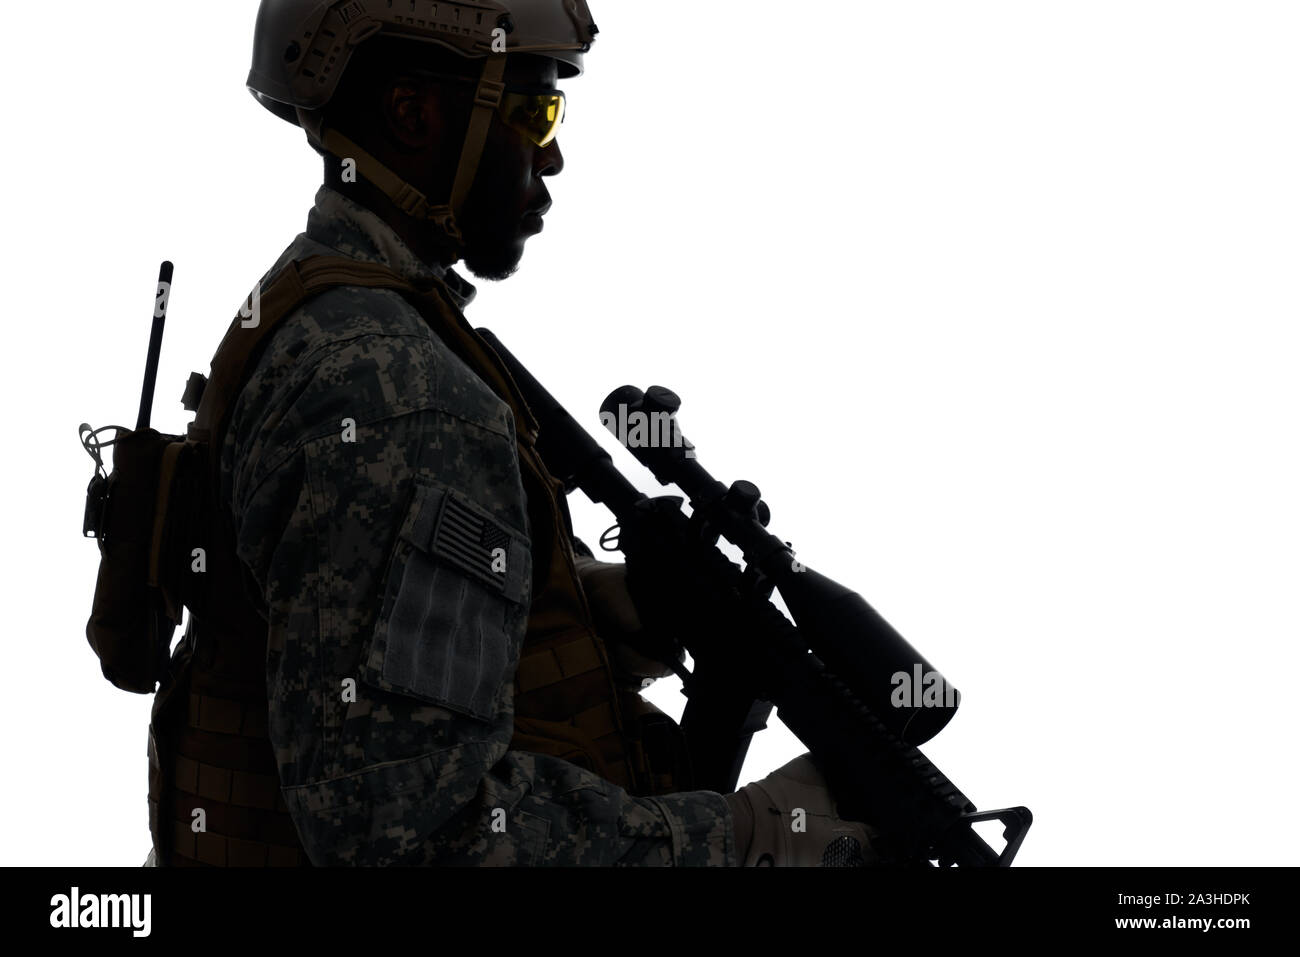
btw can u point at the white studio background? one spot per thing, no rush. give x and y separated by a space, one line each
997 302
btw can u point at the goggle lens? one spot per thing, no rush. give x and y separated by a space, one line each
536 115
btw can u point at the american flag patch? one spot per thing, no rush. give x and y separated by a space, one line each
474 544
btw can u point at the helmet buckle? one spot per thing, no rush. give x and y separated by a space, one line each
489 93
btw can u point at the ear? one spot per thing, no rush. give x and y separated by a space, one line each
412 113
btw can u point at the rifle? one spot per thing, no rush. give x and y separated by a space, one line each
832 674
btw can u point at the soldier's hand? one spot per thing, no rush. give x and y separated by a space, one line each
615 616
793 822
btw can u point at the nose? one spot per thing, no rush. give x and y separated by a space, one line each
550 161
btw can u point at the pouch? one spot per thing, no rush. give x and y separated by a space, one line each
137 514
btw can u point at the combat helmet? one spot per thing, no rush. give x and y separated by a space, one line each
302 47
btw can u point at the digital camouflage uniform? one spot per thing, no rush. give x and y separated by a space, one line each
417 769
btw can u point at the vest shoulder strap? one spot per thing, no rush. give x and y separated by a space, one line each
292 286
297 282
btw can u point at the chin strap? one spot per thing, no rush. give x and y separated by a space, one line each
407 198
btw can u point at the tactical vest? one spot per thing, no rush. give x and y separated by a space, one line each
208 741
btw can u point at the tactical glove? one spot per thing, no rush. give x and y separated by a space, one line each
679 590
790 819
618 624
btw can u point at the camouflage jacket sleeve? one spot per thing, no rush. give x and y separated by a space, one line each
391 652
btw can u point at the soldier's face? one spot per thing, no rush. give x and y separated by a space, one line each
509 198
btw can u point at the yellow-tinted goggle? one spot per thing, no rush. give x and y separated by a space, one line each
537 114
535 111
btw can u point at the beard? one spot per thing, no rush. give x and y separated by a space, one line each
493 264
494 249
493 232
